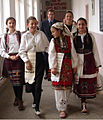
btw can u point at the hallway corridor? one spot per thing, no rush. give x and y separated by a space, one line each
47 106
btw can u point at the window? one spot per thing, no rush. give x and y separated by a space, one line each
101 14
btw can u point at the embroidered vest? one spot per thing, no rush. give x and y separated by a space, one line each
85 46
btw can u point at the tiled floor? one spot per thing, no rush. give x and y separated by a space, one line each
47 106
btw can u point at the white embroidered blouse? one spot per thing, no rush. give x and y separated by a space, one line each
29 43
13 45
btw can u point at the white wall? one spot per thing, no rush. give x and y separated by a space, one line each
94 19
4 13
1 14
19 9
78 8
12 7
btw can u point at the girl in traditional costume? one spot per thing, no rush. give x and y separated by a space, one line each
34 41
88 63
10 43
62 58
68 22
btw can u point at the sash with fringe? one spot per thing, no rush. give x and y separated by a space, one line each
30 75
59 61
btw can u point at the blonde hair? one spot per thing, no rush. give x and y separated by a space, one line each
31 18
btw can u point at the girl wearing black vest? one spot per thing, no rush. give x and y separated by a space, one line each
88 63
10 43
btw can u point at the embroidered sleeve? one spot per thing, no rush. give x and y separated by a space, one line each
3 48
74 55
23 49
52 55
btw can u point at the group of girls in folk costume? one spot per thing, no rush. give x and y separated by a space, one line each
61 45
34 41
88 63
68 21
72 51
10 43
65 63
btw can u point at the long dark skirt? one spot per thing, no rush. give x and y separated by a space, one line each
86 88
15 71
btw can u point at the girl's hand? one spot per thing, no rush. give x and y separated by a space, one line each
28 65
54 71
12 58
97 69
16 57
74 70
64 21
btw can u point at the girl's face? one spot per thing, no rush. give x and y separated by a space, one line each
11 25
81 25
55 33
32 25
68 18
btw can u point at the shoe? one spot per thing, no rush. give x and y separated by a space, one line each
2 77
15 102
84 109
62 114
49 79
33 105
46 76
37 112
21 106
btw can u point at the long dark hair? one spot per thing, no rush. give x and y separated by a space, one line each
9 18
81 18
85 21
69 11
87 34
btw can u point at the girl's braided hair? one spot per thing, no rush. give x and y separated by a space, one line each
87 34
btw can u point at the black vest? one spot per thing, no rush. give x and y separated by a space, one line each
83 47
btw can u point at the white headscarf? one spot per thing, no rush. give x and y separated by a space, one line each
60 25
